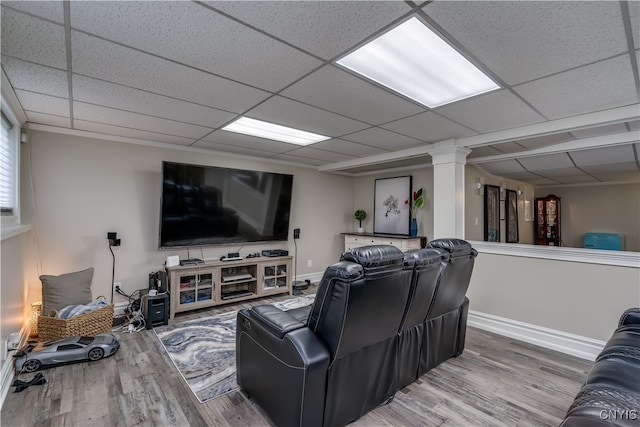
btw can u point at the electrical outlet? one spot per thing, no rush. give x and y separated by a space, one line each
309 263
117 286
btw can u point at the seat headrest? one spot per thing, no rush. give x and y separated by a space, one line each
374 256
455 247
427 256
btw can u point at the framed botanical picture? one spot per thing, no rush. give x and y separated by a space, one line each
511 224
390 214
491 213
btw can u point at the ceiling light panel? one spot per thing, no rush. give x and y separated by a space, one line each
247 126
413 60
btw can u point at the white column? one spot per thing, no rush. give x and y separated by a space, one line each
448 189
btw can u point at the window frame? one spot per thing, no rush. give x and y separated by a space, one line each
13 220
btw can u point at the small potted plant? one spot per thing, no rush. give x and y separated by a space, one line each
360 215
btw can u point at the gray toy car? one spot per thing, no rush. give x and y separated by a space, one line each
34 356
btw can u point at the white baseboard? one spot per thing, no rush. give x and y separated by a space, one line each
312 277
6 370
575 345
119 307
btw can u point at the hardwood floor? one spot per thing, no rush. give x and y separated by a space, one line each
497 381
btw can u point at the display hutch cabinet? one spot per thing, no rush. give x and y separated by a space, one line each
547 221
221 282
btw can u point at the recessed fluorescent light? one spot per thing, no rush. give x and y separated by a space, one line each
414 61
268 130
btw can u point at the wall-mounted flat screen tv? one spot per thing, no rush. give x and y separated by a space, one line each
208 205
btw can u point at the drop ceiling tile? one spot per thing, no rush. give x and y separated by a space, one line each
110 116
428 127
286 112
195 35
130 133
326 29
485 151
40 103
546 162
349 148
609 176
339 91
233 149
545 140
522 41
593 87
490 112
100 59
383 139
99 92
508 147
634 126
48 119
32 39
500 167
35 78
622 167
52 10
600 130
600 156
559 172
232 139
575 179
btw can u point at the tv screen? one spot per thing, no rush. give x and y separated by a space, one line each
208 205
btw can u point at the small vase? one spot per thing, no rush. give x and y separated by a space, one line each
360 230
414 227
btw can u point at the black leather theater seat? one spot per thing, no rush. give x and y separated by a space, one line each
368 333
611 393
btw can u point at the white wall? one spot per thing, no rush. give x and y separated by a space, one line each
474 207
14 276
613 208
573 297
15 257
85 188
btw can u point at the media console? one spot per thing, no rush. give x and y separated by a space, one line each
222 282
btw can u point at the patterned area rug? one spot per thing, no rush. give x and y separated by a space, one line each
204 350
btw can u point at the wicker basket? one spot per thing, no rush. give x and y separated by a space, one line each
87 324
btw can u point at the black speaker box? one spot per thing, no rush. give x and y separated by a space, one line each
155 310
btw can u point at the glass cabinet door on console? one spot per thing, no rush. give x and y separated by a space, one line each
275 276
547 223
196 287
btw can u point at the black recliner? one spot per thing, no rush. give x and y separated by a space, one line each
427 266
342 362
446 322
610 395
